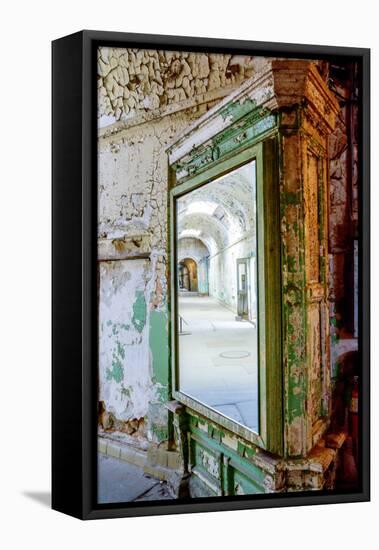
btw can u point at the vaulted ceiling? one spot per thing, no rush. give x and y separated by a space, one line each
220 212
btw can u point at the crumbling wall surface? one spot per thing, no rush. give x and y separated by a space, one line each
343 216
145 99
123 337
132 80
132 245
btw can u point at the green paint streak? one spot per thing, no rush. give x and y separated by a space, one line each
139 311
291 198
214 433
291 264
120 350
250 452
240 448
117 372
238 109
158 342
242 458
335 339
160 432
162 392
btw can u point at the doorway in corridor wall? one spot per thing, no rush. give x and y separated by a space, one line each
242 289
187 274
217 346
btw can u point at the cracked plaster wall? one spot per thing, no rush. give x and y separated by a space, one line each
132 213
145 99
132 80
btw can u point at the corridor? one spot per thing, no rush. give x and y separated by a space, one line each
218 359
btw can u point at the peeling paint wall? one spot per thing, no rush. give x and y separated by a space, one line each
132 223
145 99
131 80
124 339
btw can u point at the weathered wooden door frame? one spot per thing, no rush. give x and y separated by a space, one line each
270 432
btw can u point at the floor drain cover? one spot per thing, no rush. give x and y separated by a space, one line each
235 354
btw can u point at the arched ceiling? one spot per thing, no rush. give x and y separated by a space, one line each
220 212
206 228
192 247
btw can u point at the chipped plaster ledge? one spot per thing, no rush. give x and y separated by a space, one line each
126 248
117 449
321 456
161 464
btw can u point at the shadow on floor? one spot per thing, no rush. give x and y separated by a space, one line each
42 497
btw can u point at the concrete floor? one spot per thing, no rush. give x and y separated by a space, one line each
227 384
119 481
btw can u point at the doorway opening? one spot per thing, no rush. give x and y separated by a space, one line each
187 274
217 295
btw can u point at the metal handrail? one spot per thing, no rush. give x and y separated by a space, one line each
181 320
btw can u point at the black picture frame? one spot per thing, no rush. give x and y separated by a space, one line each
74 294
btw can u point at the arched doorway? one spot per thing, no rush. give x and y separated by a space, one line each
187 274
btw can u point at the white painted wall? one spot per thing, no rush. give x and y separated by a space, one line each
223 271
124 363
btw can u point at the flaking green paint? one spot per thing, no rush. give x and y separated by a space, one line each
204 163
120 350
240 464
241 142
162 393
237 109
117 371
139 311
160 432
249 124
158 342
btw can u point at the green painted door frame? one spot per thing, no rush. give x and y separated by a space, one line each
281 119
269 435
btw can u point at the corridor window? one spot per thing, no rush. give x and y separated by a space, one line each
217 295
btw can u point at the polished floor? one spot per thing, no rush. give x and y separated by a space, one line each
218 359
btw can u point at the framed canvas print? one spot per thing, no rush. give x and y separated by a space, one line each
210 274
